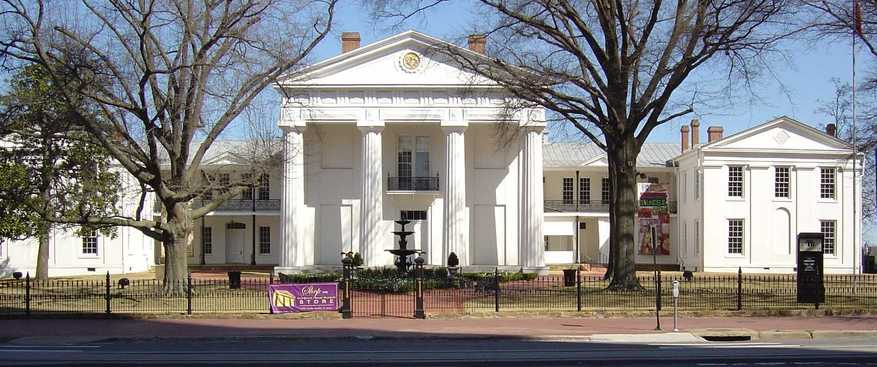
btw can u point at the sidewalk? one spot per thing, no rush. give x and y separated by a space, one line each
535 328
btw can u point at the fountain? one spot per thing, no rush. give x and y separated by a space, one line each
402 253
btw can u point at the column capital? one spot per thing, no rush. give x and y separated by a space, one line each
533 128
365 129
291 117
293 128
454 123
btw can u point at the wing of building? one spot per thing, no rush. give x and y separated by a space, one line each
393 130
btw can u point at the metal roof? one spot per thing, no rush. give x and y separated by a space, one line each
577 154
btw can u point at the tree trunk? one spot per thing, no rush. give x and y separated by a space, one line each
175 244
623 210
611 263
43 255
43 236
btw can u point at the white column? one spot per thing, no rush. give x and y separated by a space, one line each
532 241
371 207
292 203
456 221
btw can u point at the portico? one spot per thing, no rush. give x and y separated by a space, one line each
392 130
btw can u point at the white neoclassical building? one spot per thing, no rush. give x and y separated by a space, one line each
390 131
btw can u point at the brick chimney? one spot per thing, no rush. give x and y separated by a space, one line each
349 41
695 132
714 133
477 43
831 129
684 131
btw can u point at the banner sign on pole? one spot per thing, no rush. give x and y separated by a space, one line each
654 222
303 297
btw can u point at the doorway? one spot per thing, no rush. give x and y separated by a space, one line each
234 242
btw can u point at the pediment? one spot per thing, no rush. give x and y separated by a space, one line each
782 133
406 59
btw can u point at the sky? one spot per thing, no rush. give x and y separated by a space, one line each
795 83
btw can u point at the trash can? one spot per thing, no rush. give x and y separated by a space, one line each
569 277
234 280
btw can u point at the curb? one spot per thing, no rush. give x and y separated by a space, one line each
773 335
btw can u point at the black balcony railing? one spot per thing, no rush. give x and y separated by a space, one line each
413 183
575 206
242 205
586 206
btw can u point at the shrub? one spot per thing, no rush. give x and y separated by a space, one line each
311 277
357 260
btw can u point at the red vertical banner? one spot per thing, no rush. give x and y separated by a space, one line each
654 223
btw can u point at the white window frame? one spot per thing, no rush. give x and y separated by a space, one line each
264 192
732 184
207 240
833 238
584 190
605 191
782 182
89 240
264 240
567 191
823 185
736 234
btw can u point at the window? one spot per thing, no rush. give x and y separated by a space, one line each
89 243
827 228
697 237
264 240
685 237
826 183
735 236
584 190
223 183
781 182
247 193
413 156
567 190
207 239
696 185
264 187
604 191
735 181
413 215
684 186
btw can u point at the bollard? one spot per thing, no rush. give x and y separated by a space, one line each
675 303
107 295
347 264
418 293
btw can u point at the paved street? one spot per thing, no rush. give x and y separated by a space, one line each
672 350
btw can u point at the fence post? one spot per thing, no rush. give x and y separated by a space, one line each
418 292
496 290
740 288
27 294
189 294
270 282
578 289
347 263
107 295
658 283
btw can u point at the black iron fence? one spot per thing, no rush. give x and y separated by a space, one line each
413 183
430 295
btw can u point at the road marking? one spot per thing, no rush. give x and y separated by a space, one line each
40 351
48 346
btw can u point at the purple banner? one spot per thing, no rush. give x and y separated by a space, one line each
303 297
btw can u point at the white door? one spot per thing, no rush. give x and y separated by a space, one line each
234 245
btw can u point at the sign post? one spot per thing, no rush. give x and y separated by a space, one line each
654 224
809 271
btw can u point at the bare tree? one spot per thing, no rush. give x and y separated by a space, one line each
839 110
838 21
173 76
611 68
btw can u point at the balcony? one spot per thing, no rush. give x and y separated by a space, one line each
241 205
566 206
426 184
560 206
